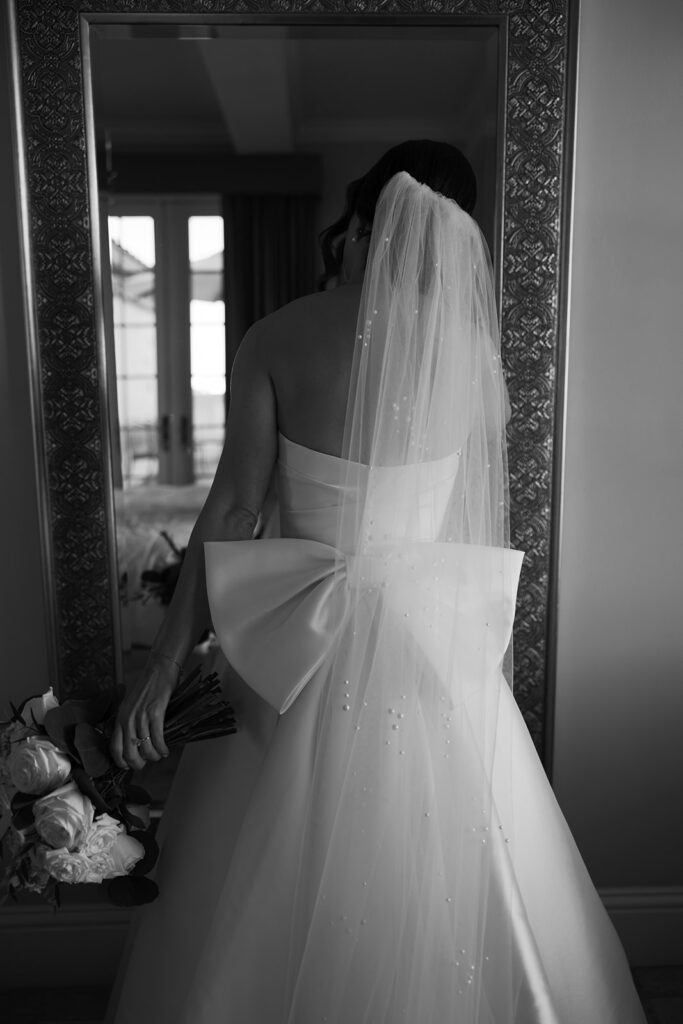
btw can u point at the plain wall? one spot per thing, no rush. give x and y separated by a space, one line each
618 768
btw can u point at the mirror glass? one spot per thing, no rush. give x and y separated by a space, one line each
222 152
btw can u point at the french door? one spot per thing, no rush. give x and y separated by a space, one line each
168 334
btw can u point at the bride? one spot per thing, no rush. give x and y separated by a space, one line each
379 842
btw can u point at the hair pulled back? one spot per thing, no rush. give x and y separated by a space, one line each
439 165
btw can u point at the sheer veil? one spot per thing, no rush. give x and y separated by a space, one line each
427 379
400 810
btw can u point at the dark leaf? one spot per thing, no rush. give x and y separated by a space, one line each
98 705
145 865
60 722
16 716
20 800
18 712
23 817
93 750
132 891
60 732
21 807
136 794
89 789
63 719
130 819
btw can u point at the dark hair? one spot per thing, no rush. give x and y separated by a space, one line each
437 164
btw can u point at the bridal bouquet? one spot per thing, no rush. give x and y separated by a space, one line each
68 814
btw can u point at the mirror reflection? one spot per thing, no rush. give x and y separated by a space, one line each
222 153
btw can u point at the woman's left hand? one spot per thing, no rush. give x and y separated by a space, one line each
138 735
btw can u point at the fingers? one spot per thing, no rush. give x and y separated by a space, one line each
116 746
145 735
138 735
133 733
130 740
156 730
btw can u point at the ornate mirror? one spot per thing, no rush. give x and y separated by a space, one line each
146 125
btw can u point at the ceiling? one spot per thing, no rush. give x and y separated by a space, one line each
255 90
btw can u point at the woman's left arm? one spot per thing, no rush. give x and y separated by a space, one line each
232 507
230 512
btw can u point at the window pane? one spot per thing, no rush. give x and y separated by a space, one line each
208 356
207 342
209 410
202 312
132 238
133 259
138 429
136 351
136 305
205 236
138 401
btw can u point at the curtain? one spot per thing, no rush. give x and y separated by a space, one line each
270 258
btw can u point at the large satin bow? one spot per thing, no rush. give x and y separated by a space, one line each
277 605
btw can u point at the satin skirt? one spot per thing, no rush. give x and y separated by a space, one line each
234 796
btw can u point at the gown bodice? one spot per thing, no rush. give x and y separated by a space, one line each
312 486
295 586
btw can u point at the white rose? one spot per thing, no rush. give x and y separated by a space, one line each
112 852
65 866
63 818
101 835
37 766
125 853
34 710
100 868
74 867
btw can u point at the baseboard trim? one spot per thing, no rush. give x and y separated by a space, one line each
649 921
15 917
84 941
72 946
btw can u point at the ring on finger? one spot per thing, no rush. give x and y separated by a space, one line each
139 742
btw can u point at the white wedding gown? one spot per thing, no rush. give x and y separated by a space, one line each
283 905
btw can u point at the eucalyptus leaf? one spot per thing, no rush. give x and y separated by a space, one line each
89 789
93 750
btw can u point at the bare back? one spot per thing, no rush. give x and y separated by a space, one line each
309 346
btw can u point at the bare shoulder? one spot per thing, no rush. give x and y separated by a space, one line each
316 316
306 348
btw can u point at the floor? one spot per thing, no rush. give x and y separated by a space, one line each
54 1006
660 988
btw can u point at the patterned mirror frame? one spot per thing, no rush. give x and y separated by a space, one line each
538 39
